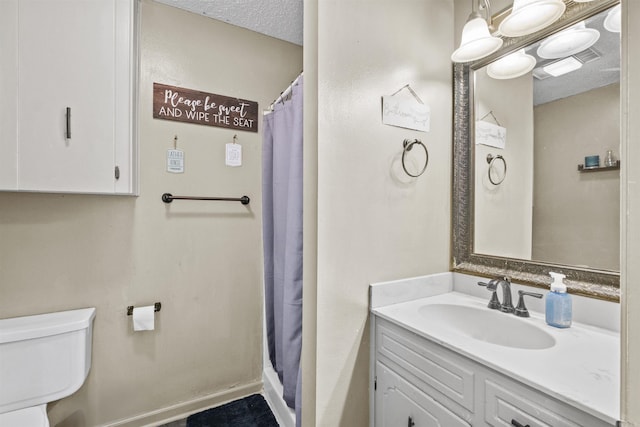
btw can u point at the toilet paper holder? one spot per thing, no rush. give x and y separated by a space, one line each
156 307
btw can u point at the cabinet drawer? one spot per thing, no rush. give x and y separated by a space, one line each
431 368
506 401
399 403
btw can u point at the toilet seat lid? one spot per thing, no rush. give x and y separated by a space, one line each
35 416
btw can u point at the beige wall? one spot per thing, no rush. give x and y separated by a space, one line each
630 214
202 260
373 222
576 216
503 213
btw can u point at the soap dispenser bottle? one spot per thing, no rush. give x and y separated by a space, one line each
558 303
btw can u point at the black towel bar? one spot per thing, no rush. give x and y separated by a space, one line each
168 198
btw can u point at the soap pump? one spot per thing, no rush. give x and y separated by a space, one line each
558 303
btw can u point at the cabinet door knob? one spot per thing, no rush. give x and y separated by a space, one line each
67 132
517 424
410 422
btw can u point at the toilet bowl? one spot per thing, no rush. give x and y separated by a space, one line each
43 358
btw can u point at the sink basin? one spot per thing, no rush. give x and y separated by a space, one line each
488 325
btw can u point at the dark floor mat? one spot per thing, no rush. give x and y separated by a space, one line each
252 411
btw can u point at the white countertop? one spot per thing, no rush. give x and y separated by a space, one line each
581 369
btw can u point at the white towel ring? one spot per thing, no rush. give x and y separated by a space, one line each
407 146
490 160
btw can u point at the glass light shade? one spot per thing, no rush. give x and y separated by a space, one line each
476 42
565 43
529 16
613 21
563 66
511 66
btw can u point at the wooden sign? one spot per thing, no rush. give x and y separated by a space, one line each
192 106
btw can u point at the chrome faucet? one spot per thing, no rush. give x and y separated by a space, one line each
507 305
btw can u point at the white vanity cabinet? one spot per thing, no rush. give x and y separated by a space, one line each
67 86
419 383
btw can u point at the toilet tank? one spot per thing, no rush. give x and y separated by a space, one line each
44 357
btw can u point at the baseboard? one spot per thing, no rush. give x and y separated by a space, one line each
285 416
184 409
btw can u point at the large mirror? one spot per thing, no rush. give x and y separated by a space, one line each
536 173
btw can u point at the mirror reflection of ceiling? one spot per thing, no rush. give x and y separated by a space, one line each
601 66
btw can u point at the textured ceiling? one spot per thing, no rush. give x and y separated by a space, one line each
601 72
281 19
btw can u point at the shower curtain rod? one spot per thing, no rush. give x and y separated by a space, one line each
286 92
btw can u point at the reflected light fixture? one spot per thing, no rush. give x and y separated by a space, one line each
529 16
613 21
476 41
511 66
563 66
567 42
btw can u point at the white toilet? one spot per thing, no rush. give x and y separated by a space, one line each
42 358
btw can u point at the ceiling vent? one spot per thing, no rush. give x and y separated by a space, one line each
587 55
540 74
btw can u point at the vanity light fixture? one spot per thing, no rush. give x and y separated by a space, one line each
563 66
567 42
613 21
476 41
511 66
529 16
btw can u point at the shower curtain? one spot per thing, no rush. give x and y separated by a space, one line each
282 229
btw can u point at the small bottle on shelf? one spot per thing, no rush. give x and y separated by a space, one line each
609 160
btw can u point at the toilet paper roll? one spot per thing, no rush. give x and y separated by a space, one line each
143 318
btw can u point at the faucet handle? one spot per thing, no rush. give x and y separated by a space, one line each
492 286
484 284
521 309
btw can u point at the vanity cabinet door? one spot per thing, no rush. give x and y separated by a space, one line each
438 372
506 400
399 404
67 76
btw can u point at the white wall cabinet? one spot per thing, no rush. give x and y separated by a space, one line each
68 54
418 383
